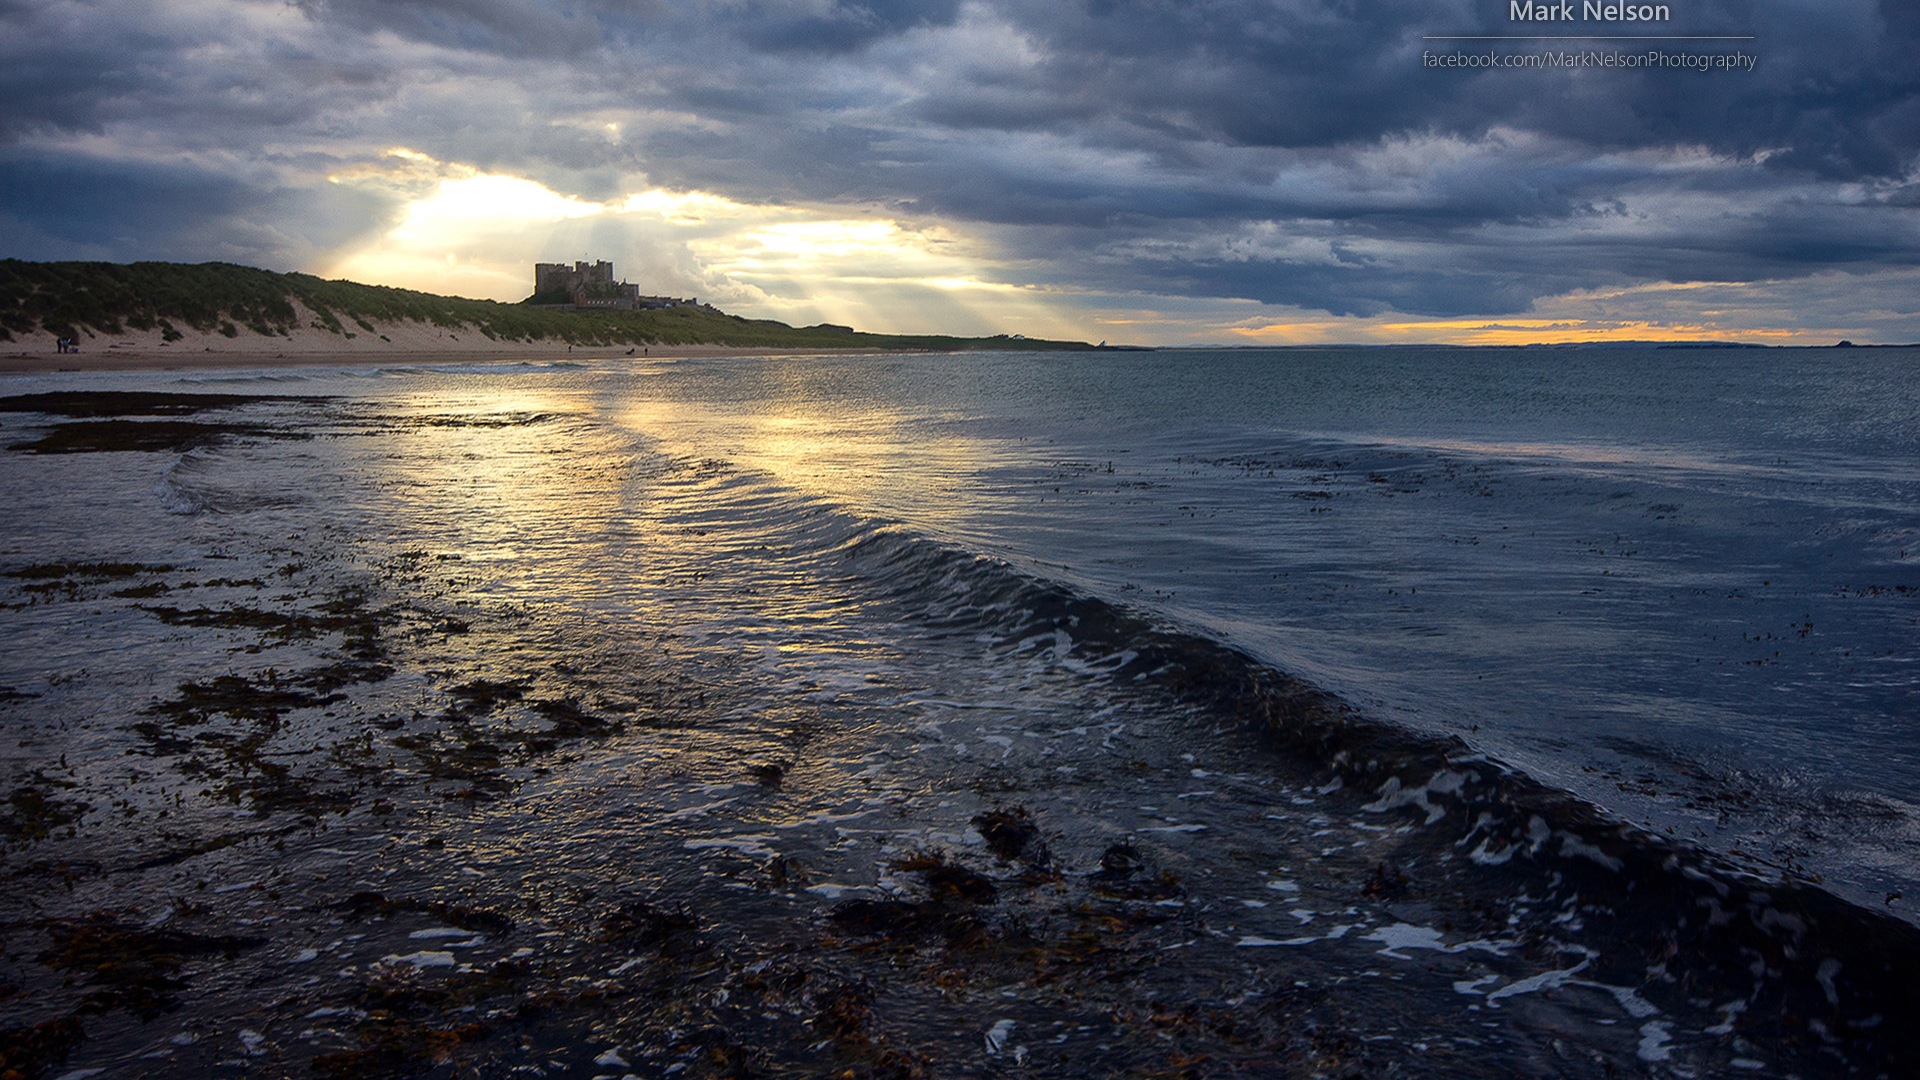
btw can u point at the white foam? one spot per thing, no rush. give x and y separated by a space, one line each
1656 1041
751 844
1393 794
996 1038
1572 845
1546 980
833 891
1409 936
1828 969
1485 857
422 959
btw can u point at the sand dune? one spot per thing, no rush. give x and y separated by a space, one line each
396 342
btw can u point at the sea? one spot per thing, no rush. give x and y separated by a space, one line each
1292 712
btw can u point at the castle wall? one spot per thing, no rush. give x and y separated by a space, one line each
592 285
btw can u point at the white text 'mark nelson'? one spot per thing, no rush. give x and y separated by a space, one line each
1528 11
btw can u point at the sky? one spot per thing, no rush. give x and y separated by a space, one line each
1137 171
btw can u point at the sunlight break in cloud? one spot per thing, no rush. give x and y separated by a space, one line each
459 230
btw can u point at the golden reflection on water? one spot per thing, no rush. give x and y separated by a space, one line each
872 456
503 475
563 515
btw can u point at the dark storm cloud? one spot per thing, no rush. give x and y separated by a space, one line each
83 208
1210 111
517 28
1289 151
837 27
1259 73
1372 271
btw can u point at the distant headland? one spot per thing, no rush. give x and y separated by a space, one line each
98 315
160 312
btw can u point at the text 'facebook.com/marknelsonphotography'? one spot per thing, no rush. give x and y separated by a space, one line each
1592 58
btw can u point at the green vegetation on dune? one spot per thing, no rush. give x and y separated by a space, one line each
71 299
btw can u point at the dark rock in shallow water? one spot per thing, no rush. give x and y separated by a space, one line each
92 403
949 882
102 436
881 918
92 433
1011 834
638 924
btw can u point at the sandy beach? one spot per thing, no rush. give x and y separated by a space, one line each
403 343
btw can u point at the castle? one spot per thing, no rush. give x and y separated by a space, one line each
592 285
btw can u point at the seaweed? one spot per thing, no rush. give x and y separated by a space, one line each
409 1022
55 571
570 721
29 1052
480 920
262 701
483 695
280 625
130 967
396 1047
31 813
845 1019
953 891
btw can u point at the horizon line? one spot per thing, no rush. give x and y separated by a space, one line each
1587 37
1638 343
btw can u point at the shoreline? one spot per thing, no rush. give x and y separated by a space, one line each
402 342
37 362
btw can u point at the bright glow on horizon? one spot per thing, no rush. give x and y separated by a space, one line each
1509 331
1695 311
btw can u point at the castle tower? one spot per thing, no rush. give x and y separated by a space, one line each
587 284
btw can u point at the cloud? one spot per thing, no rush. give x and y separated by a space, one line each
1291 153
61 207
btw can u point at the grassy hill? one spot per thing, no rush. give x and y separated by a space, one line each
66 298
